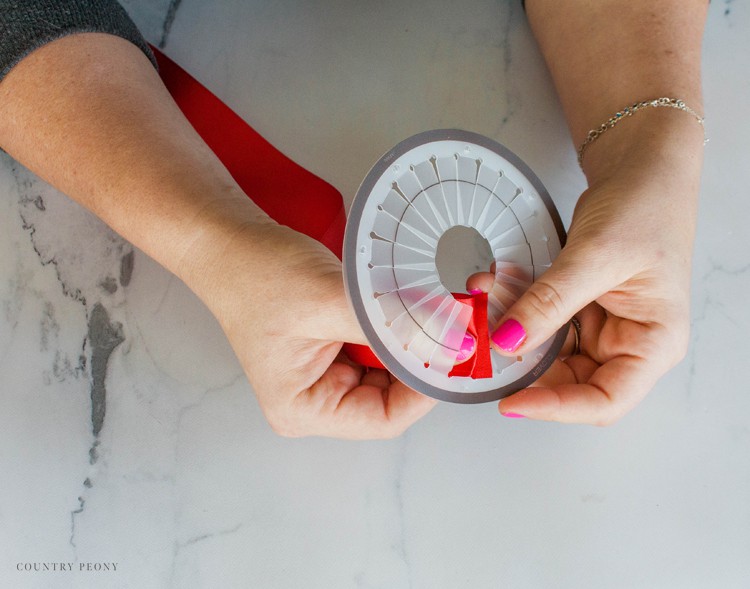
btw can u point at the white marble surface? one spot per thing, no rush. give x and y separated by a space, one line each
186 486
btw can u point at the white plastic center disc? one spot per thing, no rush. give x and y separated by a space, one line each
420 189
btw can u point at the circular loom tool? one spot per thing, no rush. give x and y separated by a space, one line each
411 198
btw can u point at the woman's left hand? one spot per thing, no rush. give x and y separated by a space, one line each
279 295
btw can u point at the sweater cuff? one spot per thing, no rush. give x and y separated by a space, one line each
26 25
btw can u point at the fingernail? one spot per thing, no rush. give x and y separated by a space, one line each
513 415
475 291
467 348
509 336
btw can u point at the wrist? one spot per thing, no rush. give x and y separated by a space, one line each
252 273
667 142
210 238
644 181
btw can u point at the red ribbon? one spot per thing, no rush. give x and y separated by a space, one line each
290 194
480 364
286 191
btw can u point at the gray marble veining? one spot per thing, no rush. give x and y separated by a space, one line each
130 435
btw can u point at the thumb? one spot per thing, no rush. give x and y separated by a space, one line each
334 318
572 282
347 328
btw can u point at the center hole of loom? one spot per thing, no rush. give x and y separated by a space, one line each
461 252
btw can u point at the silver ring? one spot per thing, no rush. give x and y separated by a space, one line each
577 332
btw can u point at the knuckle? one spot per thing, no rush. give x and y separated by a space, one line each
674 344
607 420
545 300
282 430
681 345
392 430
610 414
396 432
283 427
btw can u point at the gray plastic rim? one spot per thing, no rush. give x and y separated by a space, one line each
355 295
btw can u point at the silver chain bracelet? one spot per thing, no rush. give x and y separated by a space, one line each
628 111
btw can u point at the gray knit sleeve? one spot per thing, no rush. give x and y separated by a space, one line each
26 25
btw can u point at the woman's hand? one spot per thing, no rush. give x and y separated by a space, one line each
131 157
285 313
624 273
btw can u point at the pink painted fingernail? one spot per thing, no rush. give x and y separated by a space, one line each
509 336
467 348
513 415
475 291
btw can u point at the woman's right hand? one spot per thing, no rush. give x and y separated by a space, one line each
624 273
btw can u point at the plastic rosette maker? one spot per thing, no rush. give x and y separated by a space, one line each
411 199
